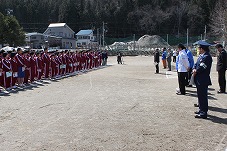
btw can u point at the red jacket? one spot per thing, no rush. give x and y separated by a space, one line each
14 65
20 60
6 65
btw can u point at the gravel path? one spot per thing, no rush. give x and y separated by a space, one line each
120 107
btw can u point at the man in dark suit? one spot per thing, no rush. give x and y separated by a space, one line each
169 59
156 60
221 68
201 73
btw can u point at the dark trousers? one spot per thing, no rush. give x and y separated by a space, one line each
222 80
202 98
174 58
182 81
169 64
189 76
157 68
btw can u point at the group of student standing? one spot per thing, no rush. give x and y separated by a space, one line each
19 67
199 72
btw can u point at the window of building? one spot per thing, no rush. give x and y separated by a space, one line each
84 43
33 37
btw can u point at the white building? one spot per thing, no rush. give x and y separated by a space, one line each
63 31
34 40
86 39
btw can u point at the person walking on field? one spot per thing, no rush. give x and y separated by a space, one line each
119 60
164 54
169 59
104 58
221 68
156 60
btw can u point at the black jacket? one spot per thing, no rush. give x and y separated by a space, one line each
221 61
156 56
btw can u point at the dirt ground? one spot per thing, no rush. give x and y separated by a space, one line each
117 108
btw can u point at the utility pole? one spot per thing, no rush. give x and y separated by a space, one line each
205 32
201 36
103 34
187 37
98 37
223 36
167 37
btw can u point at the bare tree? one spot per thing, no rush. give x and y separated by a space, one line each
219 20
180 11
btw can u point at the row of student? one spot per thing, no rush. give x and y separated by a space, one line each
22 67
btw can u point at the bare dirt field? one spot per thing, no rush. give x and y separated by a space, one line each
117 108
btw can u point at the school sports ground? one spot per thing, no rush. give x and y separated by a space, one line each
116 108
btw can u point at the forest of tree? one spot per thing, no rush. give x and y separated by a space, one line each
123 17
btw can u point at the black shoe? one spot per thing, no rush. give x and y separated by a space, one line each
178 93
219 91
197 112
196 105
189 86
201 116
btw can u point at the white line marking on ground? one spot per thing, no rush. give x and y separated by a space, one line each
221 143
167 77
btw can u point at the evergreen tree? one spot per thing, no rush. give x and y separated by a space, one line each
12 32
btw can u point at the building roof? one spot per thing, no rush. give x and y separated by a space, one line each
84 32
57 25
34 33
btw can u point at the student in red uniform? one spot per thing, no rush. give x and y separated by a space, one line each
73 58
63 66
70 62
96 59
39 66
7 70
87 61
83 61
32 67
67 61
1 70
14 69
79 64
21 67
57 64
90 62
53 65
60 63
28 66
46 61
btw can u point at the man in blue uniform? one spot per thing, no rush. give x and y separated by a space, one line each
201 73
